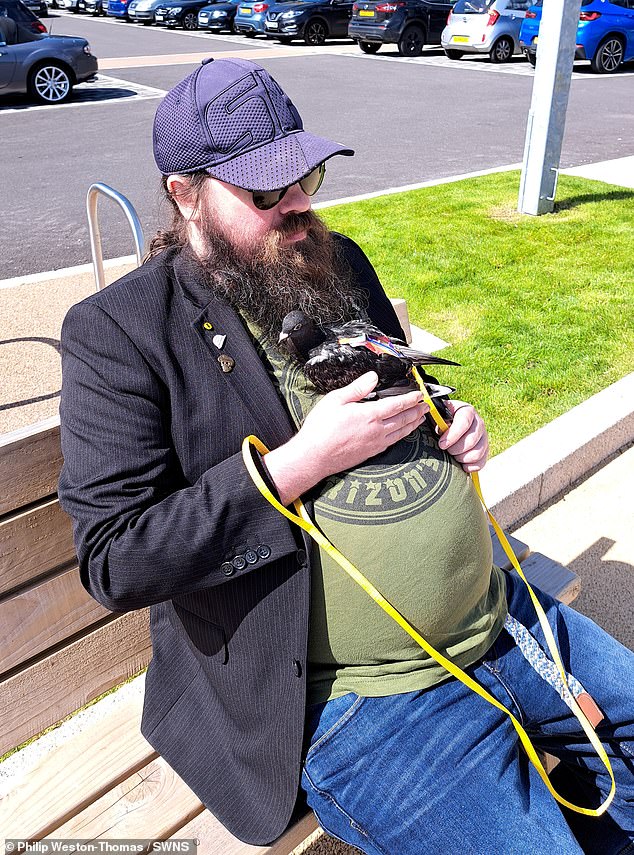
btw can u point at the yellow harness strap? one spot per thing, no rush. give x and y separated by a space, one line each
302 519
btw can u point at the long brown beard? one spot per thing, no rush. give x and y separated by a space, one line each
270 279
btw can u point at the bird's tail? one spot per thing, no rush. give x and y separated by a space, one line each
420 358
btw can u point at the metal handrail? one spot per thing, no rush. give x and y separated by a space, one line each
94 191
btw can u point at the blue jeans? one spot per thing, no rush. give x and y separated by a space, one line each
441 770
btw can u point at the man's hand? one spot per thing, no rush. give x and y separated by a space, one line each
340 432
466 439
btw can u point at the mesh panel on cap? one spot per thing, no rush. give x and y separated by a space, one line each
284 107
255 126
178 141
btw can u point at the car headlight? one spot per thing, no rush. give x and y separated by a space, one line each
86 49
218 14
175 10
290 14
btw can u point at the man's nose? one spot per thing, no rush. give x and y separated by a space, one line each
294 201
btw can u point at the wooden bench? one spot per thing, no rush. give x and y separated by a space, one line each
61 650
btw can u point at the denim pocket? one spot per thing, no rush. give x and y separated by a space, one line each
330 720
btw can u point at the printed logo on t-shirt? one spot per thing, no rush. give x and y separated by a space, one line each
400 483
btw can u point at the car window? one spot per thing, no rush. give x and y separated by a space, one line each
18 12
472 7
626 4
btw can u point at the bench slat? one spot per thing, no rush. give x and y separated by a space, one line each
552 577
73 775
214 837
47 691
37 619
30 461
32 543
153 802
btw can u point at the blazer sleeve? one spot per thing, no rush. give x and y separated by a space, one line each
142 533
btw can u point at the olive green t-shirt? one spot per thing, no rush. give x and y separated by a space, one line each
410 520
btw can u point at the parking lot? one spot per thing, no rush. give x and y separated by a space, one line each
409 120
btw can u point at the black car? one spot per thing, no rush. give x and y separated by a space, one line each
311 20
182 13
23 17
218 16
410 24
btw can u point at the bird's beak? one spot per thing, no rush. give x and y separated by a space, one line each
283 337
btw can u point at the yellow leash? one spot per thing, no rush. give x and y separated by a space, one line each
302 519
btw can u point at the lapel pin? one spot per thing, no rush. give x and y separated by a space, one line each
226 363
219 341
208 326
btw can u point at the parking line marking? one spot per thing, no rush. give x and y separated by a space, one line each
140 92
195 58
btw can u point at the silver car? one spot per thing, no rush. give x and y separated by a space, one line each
484 26
47 67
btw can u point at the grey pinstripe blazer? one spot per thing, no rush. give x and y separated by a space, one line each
165 515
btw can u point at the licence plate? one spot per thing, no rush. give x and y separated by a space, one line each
460 39
366 13
245 10
271 25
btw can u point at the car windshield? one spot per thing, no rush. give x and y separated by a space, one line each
472 7
18 12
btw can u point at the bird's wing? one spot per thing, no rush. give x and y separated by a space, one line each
419 357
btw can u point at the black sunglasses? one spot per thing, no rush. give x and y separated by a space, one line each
264 200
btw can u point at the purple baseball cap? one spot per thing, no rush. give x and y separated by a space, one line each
231 119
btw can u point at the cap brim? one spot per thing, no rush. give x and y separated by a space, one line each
279 163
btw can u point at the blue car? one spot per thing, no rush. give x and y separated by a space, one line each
250 18
117 8
605 34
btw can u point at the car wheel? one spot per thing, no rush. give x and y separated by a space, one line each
609 56
532 58
454 54
250 35
502 50
412 42
315 33
190 21
50 83
369 47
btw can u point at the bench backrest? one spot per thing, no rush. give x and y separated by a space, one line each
60 649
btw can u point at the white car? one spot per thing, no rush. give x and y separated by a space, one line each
485 26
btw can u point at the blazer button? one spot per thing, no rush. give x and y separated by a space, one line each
227 568
263 551
297 667
301 558
239 562
251 556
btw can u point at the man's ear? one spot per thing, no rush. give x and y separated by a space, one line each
181 192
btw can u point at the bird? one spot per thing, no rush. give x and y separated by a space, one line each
333 356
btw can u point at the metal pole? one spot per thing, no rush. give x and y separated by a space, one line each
547 115
94 191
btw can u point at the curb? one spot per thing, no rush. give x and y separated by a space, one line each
545 464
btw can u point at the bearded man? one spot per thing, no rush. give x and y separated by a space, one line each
268 664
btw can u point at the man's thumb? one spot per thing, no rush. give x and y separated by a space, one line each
359 388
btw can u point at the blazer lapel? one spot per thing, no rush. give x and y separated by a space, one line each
227 340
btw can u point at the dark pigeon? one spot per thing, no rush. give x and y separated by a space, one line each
333 356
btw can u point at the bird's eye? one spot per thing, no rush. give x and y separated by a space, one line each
297 327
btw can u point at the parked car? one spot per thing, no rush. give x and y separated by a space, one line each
311 20
46 68
605 34
410 24
96 7
218 16
250 18
117 8
142 11
70 5
485 26
22 16
38 7
183 13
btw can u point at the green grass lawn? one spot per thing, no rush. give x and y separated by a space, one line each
539 310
